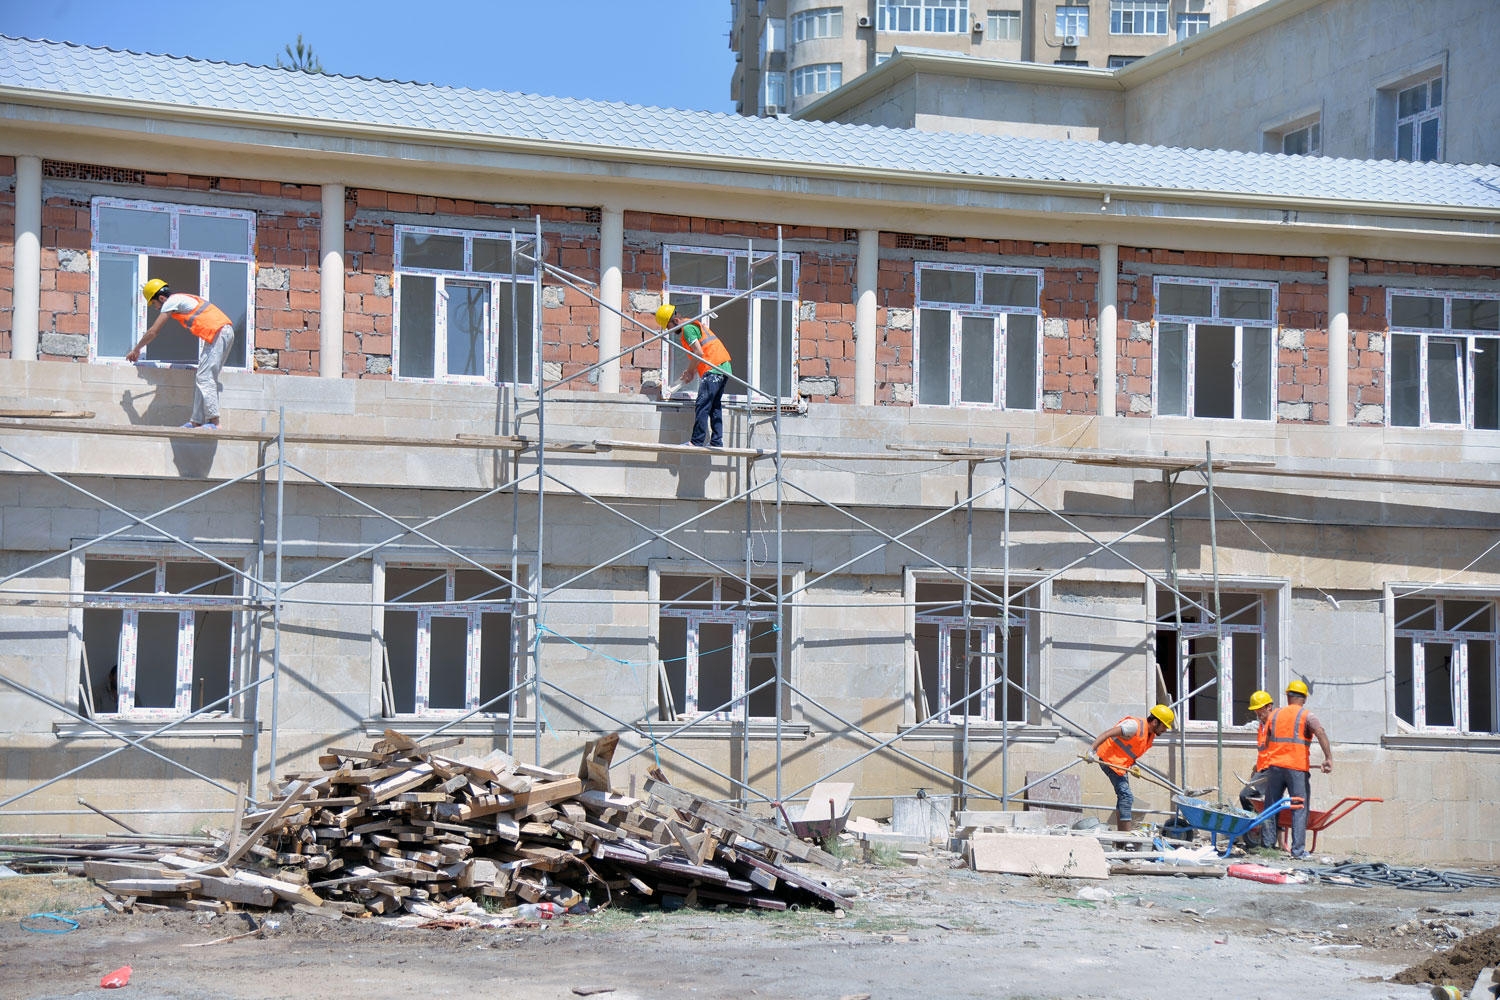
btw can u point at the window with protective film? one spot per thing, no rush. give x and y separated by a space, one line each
1446 675
447 640
1215 348
973 660
160 637
203 251
465 306
759 329
1443 359
718 646
1187 648
978 336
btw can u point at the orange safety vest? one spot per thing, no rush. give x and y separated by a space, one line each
206 319
1262 743
714 351
1121 754
1287 744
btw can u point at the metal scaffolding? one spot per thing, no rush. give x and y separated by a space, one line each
269 589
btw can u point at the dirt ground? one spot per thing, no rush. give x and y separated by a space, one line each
906 932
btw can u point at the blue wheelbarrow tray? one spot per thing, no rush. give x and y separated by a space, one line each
1232 823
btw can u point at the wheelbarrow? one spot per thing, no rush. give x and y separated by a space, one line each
1318 820
826 812
1231 823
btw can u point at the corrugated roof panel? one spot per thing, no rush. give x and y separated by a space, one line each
172 80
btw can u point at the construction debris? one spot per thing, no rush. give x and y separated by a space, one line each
1076 856
404 828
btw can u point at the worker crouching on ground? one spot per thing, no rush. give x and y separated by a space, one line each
208 323
711 366
1119 747
1264 835
1288 758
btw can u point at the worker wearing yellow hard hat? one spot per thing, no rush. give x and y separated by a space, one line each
709 361
1291 730
1119 747
1262 705
215 333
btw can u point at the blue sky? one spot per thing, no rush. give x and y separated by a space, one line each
669 53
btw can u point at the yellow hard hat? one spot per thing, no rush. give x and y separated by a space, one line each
1260 700
152 288
1164 715
1297 687
664 315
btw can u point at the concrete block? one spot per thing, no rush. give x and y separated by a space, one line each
1002 820
924 819
1033 854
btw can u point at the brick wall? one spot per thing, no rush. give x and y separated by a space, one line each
63 306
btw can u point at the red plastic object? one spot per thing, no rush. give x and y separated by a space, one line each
1261 873
116 979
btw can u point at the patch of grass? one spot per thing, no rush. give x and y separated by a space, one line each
884 855
22 895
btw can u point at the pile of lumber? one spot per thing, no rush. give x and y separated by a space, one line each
408 827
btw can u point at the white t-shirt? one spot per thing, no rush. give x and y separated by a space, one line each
1129 728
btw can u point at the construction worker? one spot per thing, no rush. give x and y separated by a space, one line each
1263 705
208 323
1288 758
710 363
1119 747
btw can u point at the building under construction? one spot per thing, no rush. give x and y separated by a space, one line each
1023 436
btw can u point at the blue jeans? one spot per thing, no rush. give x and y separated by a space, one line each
1124 799
709 411
1284 781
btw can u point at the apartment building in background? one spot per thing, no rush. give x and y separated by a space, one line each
790 53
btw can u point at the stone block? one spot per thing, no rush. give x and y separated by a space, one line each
1001 820
1034 854
924 818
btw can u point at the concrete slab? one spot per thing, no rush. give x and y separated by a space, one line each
925 818
1033 854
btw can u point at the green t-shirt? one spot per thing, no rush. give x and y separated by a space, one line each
694 333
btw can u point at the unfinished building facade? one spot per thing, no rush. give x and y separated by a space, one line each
1024 436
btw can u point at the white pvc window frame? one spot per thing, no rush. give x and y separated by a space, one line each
1457 641
1412 133
1234 625
1139 17
946 17
713 608
760 337
1003 26
494 323
1214 318
818 78
131 605
978 309
1072 19
1470 345
470 612
172 249
991 632
1190 24
820 22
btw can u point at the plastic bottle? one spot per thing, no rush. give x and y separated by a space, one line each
538 911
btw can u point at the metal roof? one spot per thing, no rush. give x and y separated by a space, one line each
162 81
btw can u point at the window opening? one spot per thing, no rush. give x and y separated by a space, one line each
1446 677
1419 121
931 16
978 336
717 646
1185 654
448 638
958 667
1443 359
209 252
1138 17
1215 348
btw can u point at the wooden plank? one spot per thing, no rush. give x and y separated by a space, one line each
737 822
231 891
548 792
1149 868
150 886
270 821
288 891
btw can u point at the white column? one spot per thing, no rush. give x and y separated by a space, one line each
866 277
331 289
26 297
1109 289
1338 341
611 259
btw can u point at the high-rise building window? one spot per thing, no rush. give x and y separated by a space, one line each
1138 17
824 22
1189 25
932 16
1003 26
1072 20
818 78
773 95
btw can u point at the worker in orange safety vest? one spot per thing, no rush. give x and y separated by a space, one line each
1288 758
710 363
1119 747
210 325
1263 706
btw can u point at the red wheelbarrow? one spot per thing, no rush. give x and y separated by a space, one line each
1317 820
